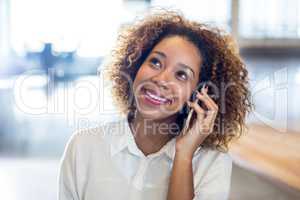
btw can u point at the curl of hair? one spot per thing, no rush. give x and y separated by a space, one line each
221 66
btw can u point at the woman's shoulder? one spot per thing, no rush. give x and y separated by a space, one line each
208 158
89 137
211 167
213 154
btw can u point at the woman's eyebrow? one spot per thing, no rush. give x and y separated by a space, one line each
180 64
160 53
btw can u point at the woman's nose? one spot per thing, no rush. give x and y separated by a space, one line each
162 79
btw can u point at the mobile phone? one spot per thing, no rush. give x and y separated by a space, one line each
187 121
194 96
191 112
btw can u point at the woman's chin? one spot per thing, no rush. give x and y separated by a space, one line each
155 114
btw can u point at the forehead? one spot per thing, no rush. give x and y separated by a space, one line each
178 49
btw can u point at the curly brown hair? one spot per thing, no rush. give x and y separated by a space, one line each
221 66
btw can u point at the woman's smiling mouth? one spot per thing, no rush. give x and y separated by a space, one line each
152 97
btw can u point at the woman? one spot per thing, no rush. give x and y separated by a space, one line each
184 94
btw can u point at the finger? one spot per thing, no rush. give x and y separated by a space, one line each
204 127
210 116
210 105
212 113
204 93
200 111
210 119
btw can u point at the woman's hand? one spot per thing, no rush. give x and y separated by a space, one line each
188 142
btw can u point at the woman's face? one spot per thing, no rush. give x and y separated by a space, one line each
167 78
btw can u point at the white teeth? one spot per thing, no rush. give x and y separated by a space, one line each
156 97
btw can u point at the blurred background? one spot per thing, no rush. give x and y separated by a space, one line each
51 53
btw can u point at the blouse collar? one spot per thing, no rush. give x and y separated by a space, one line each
124 138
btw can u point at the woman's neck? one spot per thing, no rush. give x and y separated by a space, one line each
151 135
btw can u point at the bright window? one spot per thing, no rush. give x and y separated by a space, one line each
216 12
88 26
270 18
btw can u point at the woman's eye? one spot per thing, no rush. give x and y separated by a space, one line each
155 62
182 75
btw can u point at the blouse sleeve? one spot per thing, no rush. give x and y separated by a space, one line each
216 182
67 181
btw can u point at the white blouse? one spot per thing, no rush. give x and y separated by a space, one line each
104 163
